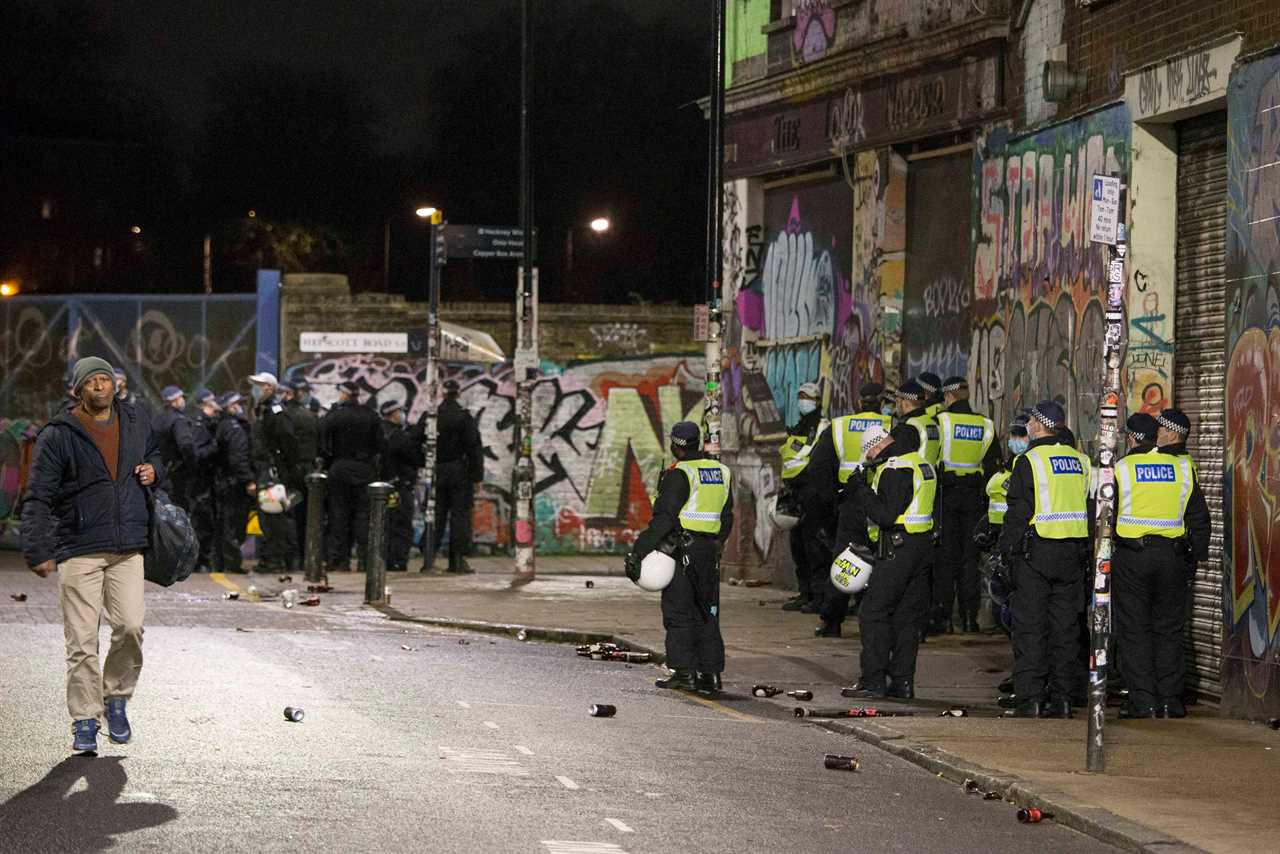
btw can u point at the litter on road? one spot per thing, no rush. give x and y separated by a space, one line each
1031 815
603 710
18 597
293 715
836 762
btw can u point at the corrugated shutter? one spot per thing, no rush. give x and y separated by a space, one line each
1200 364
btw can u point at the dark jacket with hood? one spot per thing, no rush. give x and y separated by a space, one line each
71 506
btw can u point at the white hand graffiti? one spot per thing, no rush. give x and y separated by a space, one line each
798 288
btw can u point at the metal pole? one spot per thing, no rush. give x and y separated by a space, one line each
375 579
437 255
715 256
386 256
206 265
1113 350
526 356
317 486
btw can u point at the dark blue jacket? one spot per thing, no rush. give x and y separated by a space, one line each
71 506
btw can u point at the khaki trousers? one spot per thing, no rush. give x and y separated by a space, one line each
89 584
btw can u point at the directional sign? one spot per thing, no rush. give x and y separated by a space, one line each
1105 212
484 241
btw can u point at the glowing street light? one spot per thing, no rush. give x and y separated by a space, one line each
425 212
601 224
137 229
8 289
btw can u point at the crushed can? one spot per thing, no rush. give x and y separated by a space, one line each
289 597
18 597
233 595
1031 815
836 762
954 713
294 715
590 584
311 601
765 691
602 710
800 695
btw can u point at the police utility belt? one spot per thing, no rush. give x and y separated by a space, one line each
1154 541
892 539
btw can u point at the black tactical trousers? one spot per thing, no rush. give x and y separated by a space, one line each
804 583
455 495
955 568
347 512
691 611
893 611
204 522
1047 601
400 528
279 540
231 511
1149 597
851 527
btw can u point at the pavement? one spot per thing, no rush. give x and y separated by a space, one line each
426 738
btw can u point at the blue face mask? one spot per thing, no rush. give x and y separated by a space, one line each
1018 445
887 409
806 406
256 393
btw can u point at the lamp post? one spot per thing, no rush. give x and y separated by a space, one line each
423 212
526 355
600 226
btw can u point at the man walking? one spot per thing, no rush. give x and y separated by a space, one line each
459 469
403 460
351 443
85 514
695 505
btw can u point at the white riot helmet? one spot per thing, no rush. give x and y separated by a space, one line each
274 499
850 571
783 519
656 571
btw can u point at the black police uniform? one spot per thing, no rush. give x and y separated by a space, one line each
811 539
351 442
233 474
837 522
896 602
1149 599
691 602
275 456
459 466
1048 597
962 504
176 442
403 460
306 436
203 503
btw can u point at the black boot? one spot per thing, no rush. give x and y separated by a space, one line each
1056 708
902 689
864 690
1008 700
708 684
1172 709
1005 686
795 603
1130 711
681 680
970 624
1025 709
827 630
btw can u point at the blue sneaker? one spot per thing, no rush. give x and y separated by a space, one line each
86 736
117 722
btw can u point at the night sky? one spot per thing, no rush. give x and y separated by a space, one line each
236 105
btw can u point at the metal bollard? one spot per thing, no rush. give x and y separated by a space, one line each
375 579
317 486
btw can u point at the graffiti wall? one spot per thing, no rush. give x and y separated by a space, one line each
1037 315
599 449
1252 489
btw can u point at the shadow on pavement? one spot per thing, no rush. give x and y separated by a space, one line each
56 815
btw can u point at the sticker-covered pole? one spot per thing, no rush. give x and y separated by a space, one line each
715 232
526 355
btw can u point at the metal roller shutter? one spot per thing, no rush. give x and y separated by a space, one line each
1200 364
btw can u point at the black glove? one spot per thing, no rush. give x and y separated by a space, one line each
985 534
631 566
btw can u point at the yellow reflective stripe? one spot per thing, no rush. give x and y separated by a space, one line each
1042 484
1125 476
1184 494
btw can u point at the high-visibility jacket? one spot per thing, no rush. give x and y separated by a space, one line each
708 493
1153 490
998 496
796 451
917 518
930 441
1061 478
933 409
846 435
965 439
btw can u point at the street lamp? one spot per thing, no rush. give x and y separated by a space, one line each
9 288
422 212
600 224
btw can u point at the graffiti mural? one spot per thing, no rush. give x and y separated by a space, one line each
1251 548
815 30
1038 282
600 445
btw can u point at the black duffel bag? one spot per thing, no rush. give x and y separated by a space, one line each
174 548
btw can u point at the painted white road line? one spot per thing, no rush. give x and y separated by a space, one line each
464 704
622 828
566 782
520 748
491 724
469 761
556 846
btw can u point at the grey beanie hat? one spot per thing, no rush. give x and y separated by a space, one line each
87 367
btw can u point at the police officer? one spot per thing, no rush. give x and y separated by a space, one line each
306 435
969 456
803 484
178 449
838 456
932 386
1162 529
459 470
987 535
898 504
400 468
204 426
916 429
276 461
1045 543
351 445
124 395
695 504
233 485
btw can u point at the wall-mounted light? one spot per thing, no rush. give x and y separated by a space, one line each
1057 81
